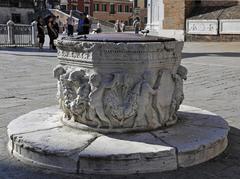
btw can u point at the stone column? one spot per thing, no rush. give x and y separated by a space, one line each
10 25
149 13
155 15
34 33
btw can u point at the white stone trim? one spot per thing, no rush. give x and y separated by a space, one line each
202 27
171 33
229 26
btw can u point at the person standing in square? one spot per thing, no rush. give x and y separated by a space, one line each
70 23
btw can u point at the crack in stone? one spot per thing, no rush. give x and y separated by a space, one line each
11 97
175 148
12 149
14 106
83 148
36 131
163 141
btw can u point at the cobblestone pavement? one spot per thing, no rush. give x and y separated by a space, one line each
213 84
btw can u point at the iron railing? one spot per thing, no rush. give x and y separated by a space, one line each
22 35
18 35
3 34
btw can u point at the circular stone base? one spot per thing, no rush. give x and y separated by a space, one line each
40 138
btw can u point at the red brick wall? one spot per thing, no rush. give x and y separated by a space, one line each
106 16
111 17
174 14
189 5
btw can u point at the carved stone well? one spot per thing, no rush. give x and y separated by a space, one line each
119 97
119 82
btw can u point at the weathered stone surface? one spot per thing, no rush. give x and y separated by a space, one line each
75 151
127 154
199 136
55 148
41 119
198 117
120 82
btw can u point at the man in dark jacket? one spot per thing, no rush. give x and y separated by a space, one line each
86 24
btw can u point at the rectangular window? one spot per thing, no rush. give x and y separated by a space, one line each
14 3
130 9
16 18
74 7
63 7
96 7
4 3
112 9
145 20
104 7
86 9
126 8
145 3
198 2
119 8
135 2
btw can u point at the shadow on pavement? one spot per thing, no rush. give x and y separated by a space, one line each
29 51
217 54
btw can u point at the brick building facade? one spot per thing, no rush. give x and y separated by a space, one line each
111 10
106 10
80 5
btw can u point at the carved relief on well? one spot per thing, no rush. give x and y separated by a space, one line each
119 100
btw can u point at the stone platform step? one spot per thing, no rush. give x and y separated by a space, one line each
39 138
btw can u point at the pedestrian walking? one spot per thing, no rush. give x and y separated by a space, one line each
65 29
55 26
86 24
80 26
57 20
136 25
60 24
70 23
99 27
52 32
41 34
122 25
117 27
